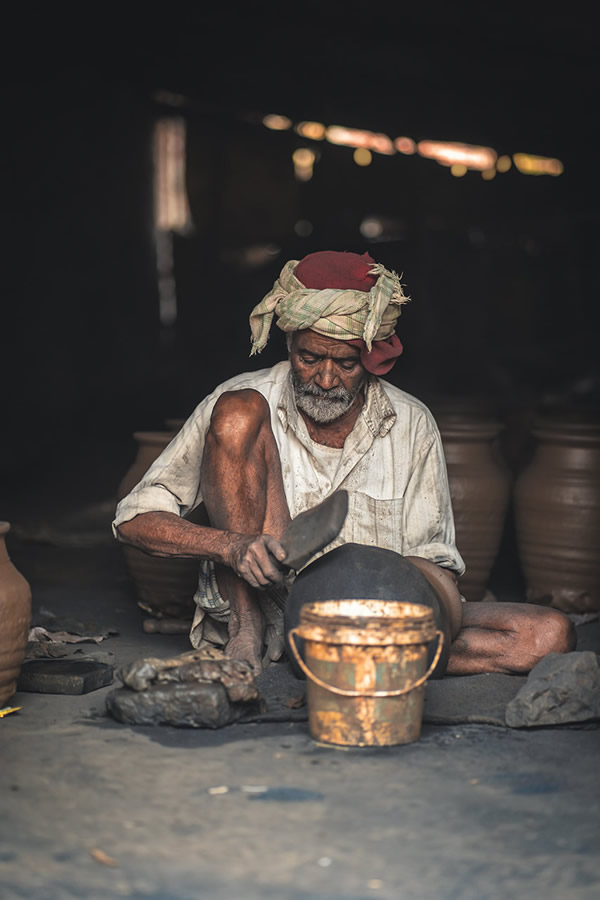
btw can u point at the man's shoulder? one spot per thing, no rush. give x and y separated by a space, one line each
402 400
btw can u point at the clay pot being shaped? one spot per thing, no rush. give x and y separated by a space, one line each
480 485
361 572
557 511
15 619
164 587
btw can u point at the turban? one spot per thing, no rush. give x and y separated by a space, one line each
340 295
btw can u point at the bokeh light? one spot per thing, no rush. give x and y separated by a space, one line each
277 123
449 153
362 156
528 164
304 160
405 145
314 131
303 228
371 227
458 170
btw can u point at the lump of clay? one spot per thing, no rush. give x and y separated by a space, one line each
561 688
236 676
198 689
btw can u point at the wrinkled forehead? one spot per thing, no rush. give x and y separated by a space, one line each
322 345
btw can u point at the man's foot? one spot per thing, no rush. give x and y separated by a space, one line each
246 639
245 648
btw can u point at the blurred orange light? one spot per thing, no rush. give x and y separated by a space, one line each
362 156
503 164
537 165
304 160
488 174
277 123
449 153
314 131
405 145
353 137
458 170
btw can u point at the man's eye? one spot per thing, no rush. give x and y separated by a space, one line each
309 360
348 364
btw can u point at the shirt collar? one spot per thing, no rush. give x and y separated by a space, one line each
377 412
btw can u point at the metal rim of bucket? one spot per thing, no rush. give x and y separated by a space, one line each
366 622
348 693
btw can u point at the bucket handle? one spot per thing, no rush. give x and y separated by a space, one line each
344 693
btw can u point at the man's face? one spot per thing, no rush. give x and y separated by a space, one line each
327 375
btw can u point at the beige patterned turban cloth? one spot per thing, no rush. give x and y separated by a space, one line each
342 314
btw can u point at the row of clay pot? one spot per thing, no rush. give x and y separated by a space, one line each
556 500
556 504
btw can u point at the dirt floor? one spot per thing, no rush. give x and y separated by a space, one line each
92 808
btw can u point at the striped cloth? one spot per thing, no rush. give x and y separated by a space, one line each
341 314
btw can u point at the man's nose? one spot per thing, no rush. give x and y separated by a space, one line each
326 377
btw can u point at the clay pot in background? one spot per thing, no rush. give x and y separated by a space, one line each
164 587
557 512
480 486
15 620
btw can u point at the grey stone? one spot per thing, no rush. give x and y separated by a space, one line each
185 705
561 688
64 676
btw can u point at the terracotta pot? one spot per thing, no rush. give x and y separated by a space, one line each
15 616
164 587
480 491
557 511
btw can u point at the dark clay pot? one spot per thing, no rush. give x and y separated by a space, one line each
480 485
164 587
360 572
15 619
557 512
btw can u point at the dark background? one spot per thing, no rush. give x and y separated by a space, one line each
502 274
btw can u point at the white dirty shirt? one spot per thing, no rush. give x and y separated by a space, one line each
392 465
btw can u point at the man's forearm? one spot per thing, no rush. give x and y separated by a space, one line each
256 558
166 534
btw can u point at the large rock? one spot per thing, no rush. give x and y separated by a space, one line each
562 688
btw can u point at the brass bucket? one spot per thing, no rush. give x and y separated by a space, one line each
366 663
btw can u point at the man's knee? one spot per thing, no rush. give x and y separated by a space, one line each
554 634
237 419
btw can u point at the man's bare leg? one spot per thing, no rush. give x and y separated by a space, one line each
242 487
508 637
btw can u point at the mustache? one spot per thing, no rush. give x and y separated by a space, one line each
313 390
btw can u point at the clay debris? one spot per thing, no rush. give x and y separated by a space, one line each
207 666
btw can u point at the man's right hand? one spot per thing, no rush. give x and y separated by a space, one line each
257 559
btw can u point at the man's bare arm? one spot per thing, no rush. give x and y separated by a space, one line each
254 557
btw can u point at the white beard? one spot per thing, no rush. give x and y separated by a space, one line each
320 405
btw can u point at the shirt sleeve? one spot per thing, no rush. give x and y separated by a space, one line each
428 519
172 483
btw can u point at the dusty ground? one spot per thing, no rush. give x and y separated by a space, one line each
92 808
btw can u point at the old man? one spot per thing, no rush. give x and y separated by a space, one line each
270 444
